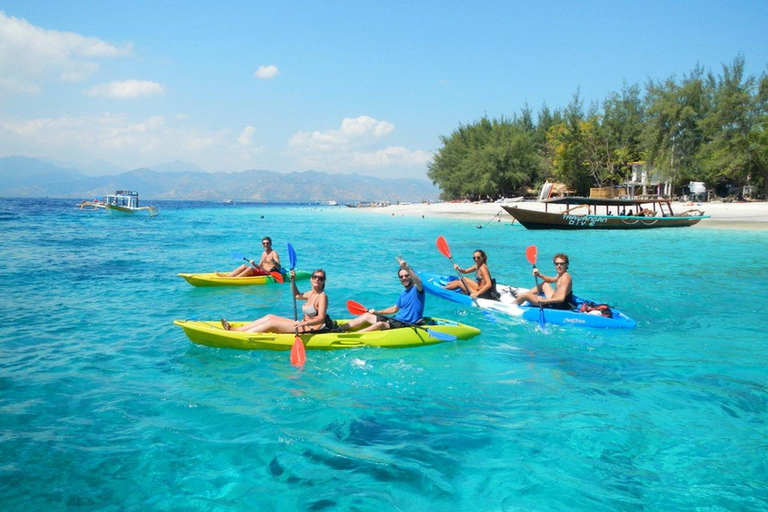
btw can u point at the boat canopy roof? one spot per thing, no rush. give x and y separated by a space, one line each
601 201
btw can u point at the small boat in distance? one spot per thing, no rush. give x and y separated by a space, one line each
94 204
605 213
126 202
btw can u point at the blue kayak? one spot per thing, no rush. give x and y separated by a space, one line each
434 283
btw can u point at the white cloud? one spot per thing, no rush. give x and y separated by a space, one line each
131 143
30 54
349 148
353 132
266 72
126 89
246 138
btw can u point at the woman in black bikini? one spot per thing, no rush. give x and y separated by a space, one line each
484 286
315 311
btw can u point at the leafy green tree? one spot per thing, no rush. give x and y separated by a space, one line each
490 158
726 154
622 123
673 133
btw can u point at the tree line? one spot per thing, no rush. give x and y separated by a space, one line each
701 127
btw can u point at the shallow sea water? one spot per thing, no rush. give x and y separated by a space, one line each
106 405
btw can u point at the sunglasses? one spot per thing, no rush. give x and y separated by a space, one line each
266 243
560 263
477 257
405 276
319 277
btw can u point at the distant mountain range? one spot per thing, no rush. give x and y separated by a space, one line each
30 177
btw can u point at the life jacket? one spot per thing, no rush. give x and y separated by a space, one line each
588 306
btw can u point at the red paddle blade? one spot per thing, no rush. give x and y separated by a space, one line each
442 246
356 308
298 353
277 276
531 253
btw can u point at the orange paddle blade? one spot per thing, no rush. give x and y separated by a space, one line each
298 353
531 253
442 246
356 308
277 277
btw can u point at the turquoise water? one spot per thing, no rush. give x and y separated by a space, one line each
106 405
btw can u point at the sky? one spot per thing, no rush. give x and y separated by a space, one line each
334 86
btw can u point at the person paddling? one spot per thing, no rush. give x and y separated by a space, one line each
560 297
484 286
316 318
269 262
408 310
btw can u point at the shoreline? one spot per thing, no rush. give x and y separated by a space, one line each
749 216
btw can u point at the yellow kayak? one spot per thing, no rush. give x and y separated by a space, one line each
217 279
213 334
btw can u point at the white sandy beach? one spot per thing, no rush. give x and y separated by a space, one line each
751 215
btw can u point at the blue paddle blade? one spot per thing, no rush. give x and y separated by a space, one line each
443 336
291 256
239 256
542 320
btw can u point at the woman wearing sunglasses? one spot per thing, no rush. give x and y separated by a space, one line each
315 318
484 286
559 297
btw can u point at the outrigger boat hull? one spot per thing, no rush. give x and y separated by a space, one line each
212 334
216 279
434 283
659 215
117 210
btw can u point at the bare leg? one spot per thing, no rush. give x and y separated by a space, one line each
365 318
376 326
533 296
269 323
459 283
239 271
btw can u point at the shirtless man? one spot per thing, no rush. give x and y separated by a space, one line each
269 262
561 297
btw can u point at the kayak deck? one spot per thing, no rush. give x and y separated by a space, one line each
217 279
212 334
434 283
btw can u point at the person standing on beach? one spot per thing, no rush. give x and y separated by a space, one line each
560 297
269 262
408 310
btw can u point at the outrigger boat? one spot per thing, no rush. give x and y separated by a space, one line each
126 202
95 204
600 213
606 318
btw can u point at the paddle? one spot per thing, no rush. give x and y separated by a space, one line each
298 353
358 309
442 246
531 252
277 276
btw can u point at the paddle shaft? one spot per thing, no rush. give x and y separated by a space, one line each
464 282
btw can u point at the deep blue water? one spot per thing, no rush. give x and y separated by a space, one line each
105 404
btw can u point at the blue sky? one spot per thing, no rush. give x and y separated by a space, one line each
340 87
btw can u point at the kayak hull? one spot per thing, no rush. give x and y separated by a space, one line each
212 334
214 279
433 284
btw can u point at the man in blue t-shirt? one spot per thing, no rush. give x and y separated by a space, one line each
409 306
